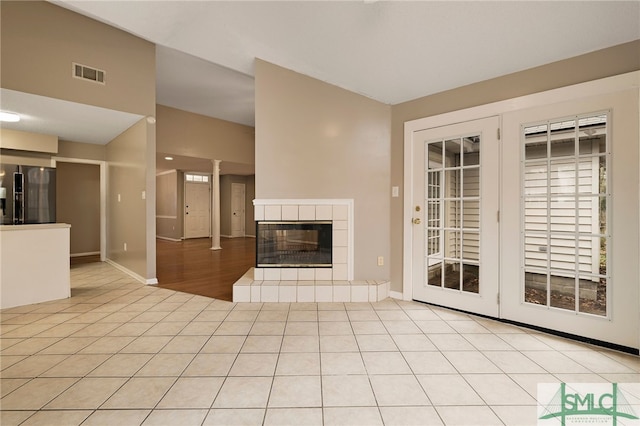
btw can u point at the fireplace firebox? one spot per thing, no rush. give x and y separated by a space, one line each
294 244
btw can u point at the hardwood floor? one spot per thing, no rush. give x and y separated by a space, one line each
191 266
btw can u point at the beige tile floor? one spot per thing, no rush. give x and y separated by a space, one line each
120 353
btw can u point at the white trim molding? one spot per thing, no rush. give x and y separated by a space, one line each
137 277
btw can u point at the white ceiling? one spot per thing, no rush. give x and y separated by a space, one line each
391 51
68 120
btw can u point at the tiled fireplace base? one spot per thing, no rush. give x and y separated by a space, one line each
247 289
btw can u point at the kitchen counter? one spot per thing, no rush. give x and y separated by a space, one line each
34 264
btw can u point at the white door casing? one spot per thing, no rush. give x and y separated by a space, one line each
238 210
197 217
455 218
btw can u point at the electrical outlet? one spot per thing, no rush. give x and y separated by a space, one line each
119 198
125 246
380 261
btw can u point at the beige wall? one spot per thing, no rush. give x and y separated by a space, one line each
39 43
78 204
168 221
41 40
193 135
250 221
84 151
128 217
315 140
604 63
28 141
225 203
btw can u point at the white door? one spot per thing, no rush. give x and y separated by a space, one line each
196 210
455 216
237 209
570 218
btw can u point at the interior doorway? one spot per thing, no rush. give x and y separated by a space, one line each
238 201
81 202
197 208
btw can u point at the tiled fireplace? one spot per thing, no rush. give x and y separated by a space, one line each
299 280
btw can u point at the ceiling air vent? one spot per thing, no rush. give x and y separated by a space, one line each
87 73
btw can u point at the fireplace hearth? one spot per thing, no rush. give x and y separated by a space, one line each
294 244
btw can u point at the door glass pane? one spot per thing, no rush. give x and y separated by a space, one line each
434 155
452 274
471 182
471 278
471 214
536 179
452 244
535 142
592 135
593 296
470 246
536 251
536 210
433 242
452 152
602 169
562 177
562 139
565 215
471 151
535 287
563 288
434 274
452 214
452 183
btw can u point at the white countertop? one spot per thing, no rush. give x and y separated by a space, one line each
27 227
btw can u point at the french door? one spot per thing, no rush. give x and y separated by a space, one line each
569 218
541 227
455 216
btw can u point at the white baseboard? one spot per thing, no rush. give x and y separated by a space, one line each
89 253
226 236
139 278
395 295
177 240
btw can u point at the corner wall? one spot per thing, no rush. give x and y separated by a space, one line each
318 141
130 193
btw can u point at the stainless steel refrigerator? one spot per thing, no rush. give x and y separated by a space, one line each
27 194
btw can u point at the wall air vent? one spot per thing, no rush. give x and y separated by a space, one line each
87 73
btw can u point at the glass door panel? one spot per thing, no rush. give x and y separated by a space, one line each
564 205
461 186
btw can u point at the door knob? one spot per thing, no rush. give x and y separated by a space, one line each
416 221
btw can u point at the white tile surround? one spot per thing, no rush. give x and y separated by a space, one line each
333 284
250 289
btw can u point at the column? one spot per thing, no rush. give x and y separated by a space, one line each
215 207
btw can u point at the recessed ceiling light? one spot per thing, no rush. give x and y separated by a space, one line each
9 117
168 158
